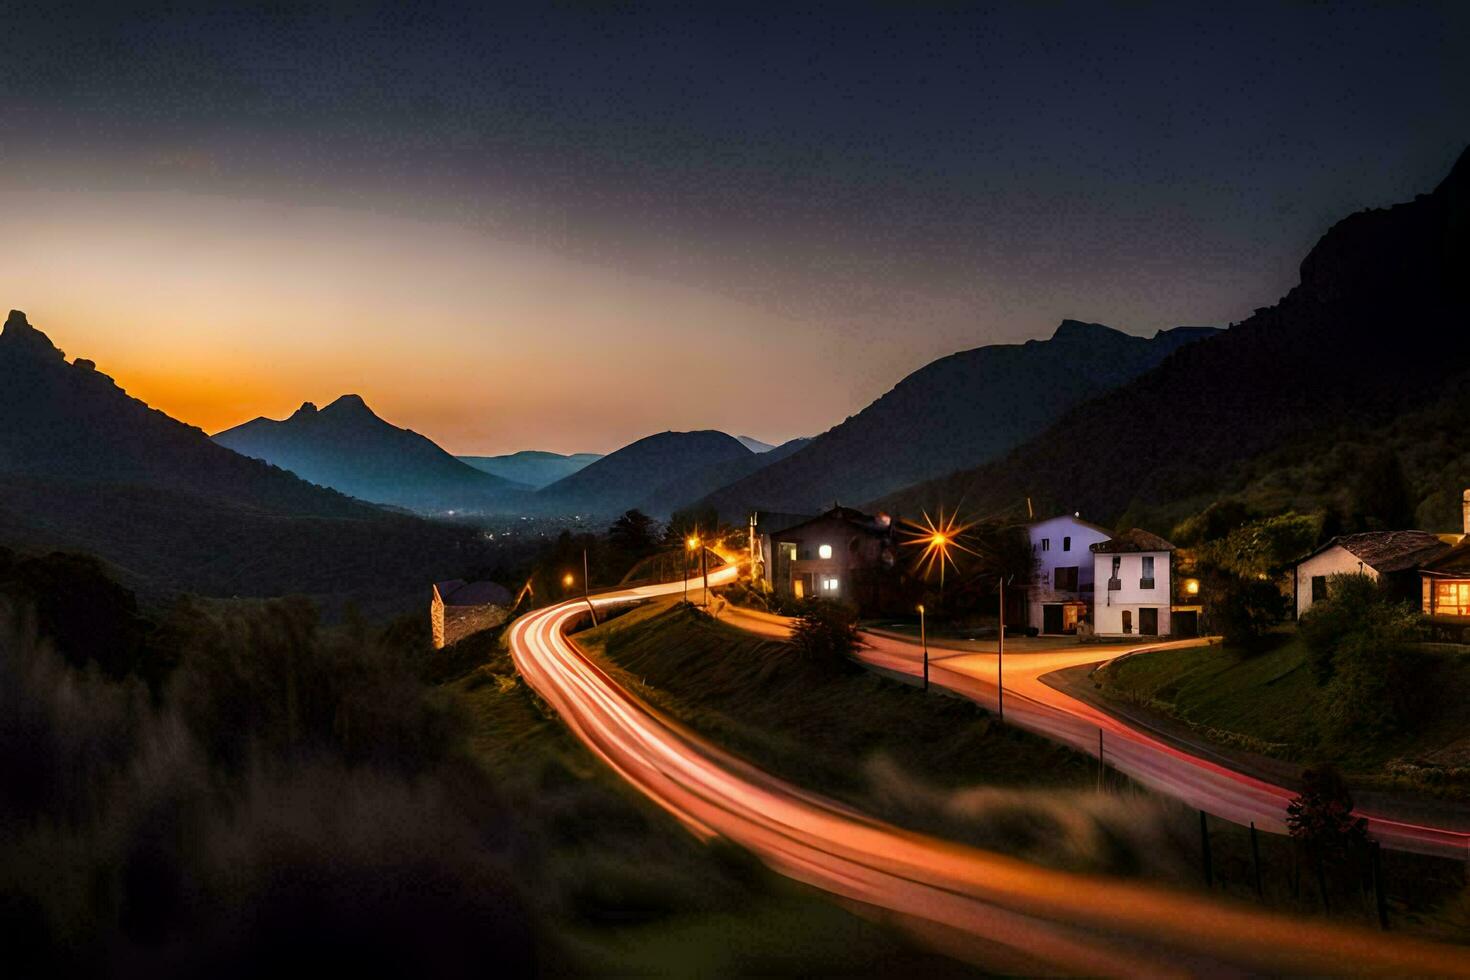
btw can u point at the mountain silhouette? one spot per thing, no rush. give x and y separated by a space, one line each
629 477
696 484
531 467
85 466
954 412
1376 328
347 447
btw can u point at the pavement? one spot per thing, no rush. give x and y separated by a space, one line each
980 905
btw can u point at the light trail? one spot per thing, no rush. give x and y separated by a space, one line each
986 906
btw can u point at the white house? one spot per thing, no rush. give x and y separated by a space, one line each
1060 596
1392 555
1133 587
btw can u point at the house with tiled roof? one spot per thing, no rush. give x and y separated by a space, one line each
1060 594
1444 586
458 609
1133 590
838 555
1391 557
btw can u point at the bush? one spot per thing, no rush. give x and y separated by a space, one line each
1321 818
1245 610
826 632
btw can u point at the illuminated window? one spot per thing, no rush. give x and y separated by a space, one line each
1452 598
830 584
824 551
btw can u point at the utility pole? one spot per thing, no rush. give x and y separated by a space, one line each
686 574
587 588
704 570
924 642
1000 655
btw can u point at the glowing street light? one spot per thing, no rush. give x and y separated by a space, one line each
924 642
690 543
567 580
937 540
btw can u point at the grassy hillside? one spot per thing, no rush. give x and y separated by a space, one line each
1270 703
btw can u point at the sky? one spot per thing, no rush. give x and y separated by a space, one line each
565 227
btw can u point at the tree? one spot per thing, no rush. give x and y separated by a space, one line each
1321 817
1381 495
1243 610
633 534
826 632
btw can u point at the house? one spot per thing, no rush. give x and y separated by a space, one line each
838 555
458 609
1133 589
1060 595
1444 586
1391 557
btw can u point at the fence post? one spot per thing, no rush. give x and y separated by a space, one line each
1256 860
1378 891
1204 840
1099 760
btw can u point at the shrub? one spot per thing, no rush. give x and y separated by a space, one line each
1245 610
826 632
1322 817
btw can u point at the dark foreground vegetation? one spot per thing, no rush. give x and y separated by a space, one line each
237 789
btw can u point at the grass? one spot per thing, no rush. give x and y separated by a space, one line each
624 889
1270 703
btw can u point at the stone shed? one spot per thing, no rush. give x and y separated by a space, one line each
458 609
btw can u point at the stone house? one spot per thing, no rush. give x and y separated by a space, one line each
458 609
1391 557
838 555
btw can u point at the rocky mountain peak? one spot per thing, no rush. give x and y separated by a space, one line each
20 336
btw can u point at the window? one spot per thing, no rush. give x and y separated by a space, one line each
1046 544
1115 583
1066 579
1452 598
829 584
824 551
1319 588
1067 544
788 550
1146 580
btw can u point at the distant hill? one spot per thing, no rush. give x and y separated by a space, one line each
531 467
347 447
755 445
632 475
958 411
84 466
1373 338
692 486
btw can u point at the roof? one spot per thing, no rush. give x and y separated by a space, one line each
1132 540
1388 551
856 519
1454 562
456 592
1075 519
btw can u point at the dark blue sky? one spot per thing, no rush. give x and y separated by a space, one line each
903 180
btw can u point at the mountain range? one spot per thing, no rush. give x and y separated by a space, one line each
531 467
1375 335
958 411
347 447
638 473
85 466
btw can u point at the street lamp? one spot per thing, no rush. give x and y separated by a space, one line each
924 642
690 543
939 545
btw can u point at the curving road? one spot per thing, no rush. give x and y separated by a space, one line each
1032 704
977 904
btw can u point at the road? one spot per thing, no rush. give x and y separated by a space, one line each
987 907
1161 765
